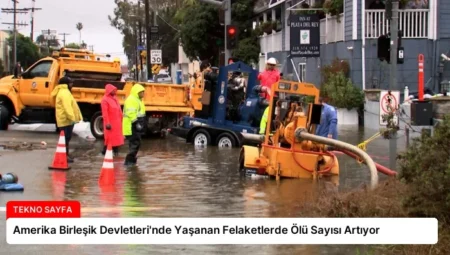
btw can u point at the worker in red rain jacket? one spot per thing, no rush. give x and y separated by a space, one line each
112 119
270 76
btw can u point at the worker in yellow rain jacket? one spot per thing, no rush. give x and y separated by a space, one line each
134 122
67 112
263 123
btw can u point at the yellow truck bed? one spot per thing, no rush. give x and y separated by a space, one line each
158 97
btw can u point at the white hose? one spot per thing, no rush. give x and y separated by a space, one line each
302 134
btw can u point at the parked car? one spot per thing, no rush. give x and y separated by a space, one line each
162 78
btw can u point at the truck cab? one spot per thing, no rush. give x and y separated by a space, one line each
27 99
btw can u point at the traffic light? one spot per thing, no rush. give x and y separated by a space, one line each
231 37
384 48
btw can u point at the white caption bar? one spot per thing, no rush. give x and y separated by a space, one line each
222 231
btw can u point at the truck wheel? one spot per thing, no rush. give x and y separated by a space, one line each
202 137
225 140
4 118
97 125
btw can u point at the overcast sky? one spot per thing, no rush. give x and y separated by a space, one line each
62 16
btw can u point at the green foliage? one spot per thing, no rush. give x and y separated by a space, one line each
247 51
337 65
27 51
426 166
73 46
169 40
53 43
316 5
341 92
248 48
126 16
242 13
334 7
267 27
199 31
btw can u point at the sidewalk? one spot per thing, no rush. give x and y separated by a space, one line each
81 129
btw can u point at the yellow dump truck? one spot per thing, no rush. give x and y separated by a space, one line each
27 99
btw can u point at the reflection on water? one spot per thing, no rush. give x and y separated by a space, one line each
184 181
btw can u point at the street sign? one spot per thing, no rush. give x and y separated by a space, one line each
154 32
389 102
140 47
305 35
156 56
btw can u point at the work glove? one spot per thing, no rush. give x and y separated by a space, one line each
108 127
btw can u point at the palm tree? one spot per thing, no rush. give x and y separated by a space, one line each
79 26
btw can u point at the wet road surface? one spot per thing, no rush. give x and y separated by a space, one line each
173 179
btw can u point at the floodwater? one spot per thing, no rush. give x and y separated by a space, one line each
182 181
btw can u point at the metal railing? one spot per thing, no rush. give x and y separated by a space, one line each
413 23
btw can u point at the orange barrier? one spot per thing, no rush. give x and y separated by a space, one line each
107 176
60 159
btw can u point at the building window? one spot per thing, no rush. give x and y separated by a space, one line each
302 72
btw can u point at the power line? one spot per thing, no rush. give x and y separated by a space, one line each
64 38
174 28
14 11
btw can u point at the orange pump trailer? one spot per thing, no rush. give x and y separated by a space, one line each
288 147
294 159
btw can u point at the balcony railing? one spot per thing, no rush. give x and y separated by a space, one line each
271 43
413 23
331 30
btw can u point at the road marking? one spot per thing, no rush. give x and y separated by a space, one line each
111 209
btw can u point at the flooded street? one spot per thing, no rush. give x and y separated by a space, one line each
173 179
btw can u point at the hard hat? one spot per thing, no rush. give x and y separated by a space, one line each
271 61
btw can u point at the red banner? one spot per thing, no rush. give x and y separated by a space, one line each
43 209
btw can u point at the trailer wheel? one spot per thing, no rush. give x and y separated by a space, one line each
4 118
97 125
226 140
202 137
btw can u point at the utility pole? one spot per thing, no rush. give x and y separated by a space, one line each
64 38
140 37
32 19
15 11
136 52
15 34
227 22
393 75
148 38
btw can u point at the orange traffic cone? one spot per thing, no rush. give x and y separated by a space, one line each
60 159
107 176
